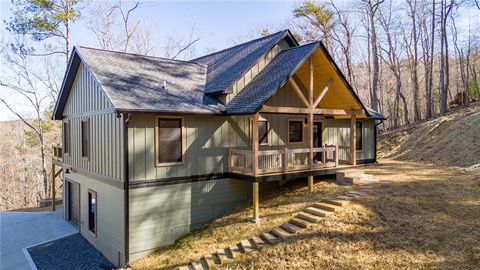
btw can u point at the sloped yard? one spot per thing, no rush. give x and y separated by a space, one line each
427 219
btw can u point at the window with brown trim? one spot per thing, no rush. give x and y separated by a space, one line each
262 131
295 131
66 137
85 129
92 211
263 126
170 140
359 136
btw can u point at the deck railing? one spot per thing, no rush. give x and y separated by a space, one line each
283 160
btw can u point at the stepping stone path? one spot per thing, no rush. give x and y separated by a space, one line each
301 221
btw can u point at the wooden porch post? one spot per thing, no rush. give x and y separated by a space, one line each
255 199
353 140
255 144
310 127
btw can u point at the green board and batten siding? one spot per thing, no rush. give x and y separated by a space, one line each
87 101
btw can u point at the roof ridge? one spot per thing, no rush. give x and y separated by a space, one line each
238 45
141 55
301 46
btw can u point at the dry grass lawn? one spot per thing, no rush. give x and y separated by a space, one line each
429 218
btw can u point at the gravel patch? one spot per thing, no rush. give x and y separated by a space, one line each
72 252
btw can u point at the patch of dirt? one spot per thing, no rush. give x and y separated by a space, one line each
451 140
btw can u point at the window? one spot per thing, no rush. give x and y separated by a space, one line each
85 138
262 131
359 138
295 131
170 141
66 137
92 211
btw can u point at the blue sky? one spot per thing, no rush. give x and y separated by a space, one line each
218 22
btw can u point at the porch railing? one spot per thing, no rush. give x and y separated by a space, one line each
283 160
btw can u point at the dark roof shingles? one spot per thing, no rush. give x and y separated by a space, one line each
226 66
134 82
272 77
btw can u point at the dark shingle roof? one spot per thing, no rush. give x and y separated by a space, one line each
271 78
374 114
134 82
226 66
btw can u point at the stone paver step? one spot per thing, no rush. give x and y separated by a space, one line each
197 265
211 261
344 197
357 192
281 233
222 256
184 267
336 202
271 239
291 228
235 251
326 206
308 217
246 246
258 242
316 211
300 223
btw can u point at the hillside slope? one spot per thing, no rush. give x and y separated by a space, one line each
451 140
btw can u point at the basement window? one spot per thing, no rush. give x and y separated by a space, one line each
170 141
295 131
92 211
359 137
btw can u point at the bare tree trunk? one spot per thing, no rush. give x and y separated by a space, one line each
414 66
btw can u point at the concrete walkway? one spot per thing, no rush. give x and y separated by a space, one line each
19 230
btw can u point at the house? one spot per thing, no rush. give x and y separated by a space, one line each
154 148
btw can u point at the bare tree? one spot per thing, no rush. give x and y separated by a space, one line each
29 86
371 8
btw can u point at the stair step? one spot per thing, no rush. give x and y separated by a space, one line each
357 192
246 246
211 262
197 265
290 228
317 212
270 238
258 242
184 267
222 256
235 251
343 197
281 233
326 207
308 217
335 202
300 223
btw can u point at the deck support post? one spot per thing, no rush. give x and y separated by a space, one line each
310 183
255 199
255 144
353 139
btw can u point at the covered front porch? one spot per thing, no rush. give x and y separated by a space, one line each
286 131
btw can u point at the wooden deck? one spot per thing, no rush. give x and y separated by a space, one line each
285 163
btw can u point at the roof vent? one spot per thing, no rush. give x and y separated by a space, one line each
164 85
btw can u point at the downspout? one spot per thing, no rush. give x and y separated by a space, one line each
126 117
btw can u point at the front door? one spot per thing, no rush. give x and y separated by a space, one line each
74 203
317 140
